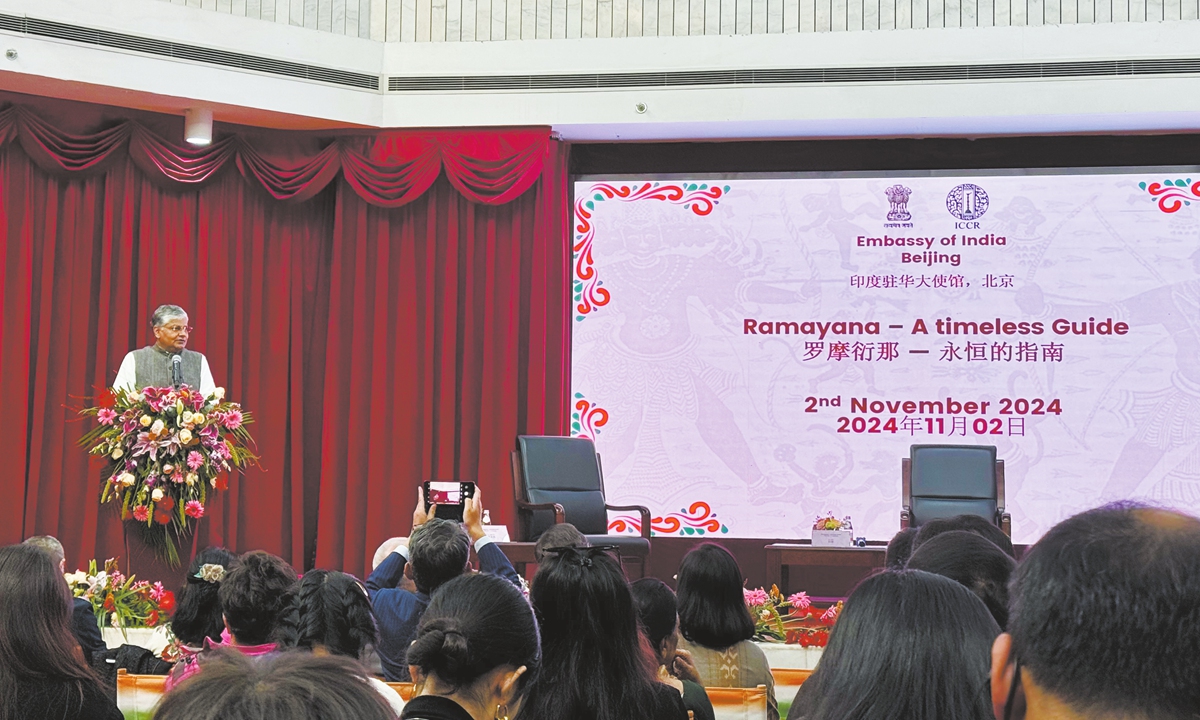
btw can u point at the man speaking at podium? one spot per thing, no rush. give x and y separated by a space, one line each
168 362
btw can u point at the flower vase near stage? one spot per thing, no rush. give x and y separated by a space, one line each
165 450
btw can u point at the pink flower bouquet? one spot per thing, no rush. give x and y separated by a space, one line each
164 449
790 620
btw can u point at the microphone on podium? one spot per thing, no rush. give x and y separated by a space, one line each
176 371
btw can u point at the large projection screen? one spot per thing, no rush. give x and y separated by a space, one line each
750 352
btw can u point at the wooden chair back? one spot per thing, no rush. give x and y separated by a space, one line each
137 695
787 682
738 703
405 689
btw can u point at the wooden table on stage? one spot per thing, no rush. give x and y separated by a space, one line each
780 556
520 554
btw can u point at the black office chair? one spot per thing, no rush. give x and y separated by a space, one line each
559 479
942 481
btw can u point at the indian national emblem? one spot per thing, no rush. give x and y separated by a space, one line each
898 196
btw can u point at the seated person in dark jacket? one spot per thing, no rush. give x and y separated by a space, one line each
83 617
437 552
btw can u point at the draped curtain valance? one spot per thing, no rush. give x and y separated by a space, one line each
388 169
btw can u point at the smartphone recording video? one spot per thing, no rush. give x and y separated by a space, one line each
449 496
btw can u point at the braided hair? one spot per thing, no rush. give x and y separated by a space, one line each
329 609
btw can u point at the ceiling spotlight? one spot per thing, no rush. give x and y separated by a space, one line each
197 126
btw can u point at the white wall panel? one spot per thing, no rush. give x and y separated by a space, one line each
485 20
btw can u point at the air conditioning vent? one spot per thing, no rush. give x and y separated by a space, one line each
798 76
183 51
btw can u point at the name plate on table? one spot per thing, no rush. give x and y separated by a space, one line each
496 533
832 538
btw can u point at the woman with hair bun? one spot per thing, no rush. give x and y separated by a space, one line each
477 651
330 614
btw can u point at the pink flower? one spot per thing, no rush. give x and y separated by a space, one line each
141 513
195 460
194 508
799 601
178 478
830 614
755 597
106 416
157 592
232 420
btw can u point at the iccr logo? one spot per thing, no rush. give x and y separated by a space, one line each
967 202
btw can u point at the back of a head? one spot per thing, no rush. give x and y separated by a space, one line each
35 617
596 662
254 594
975 563
331 610
198 612
50 545
438 552
969 523
473 625
908 644
1105 612
712 606
657 609
288 686
899 548
558 535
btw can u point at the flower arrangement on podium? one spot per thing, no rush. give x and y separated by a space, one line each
790 620
119 601
829 531
165 448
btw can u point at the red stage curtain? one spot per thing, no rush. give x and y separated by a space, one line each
401 318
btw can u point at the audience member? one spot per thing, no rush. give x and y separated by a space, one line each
969 523
558 535
387 547
596 664
974 563
286 686
476 652
42 672
899 548
908 644
198 612
330 614
1104 620
659 616
716 624
83 616
252 596
437 552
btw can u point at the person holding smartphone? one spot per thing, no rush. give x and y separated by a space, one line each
436 552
